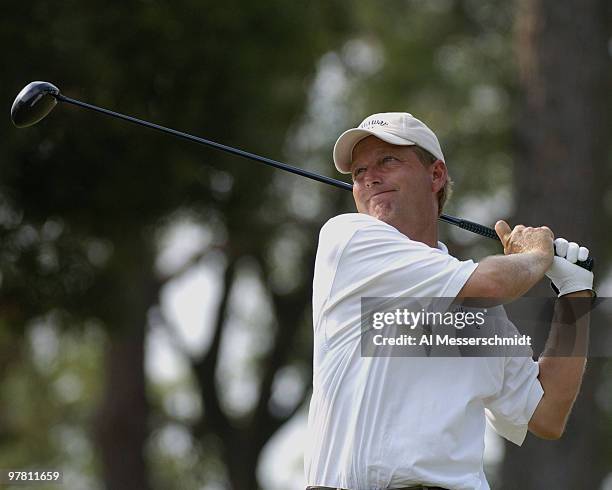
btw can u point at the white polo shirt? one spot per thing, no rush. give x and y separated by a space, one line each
389 422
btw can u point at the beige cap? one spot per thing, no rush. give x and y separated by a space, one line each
397 128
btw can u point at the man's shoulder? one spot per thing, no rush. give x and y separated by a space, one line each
358 228
351 222
360 232
343 229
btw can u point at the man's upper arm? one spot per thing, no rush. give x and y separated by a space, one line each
481 283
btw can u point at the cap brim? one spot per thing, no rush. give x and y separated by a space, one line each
343 149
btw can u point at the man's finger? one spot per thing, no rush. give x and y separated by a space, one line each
583 254
503 231
552 235
572 252
561 247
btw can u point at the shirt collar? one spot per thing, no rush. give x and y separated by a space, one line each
442 247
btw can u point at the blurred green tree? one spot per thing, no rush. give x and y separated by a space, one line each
84 200
561 175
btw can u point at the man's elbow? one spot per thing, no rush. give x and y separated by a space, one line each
553 434
548 431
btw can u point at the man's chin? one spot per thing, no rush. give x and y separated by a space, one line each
383 214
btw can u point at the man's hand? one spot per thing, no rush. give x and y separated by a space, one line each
521 239
566 276
528 255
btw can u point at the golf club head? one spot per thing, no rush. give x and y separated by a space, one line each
33 103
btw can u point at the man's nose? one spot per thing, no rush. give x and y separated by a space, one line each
372 178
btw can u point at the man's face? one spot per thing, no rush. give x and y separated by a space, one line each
390 183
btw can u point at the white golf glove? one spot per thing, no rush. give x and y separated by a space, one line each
566 276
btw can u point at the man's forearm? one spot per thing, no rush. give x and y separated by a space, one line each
562 364
506 276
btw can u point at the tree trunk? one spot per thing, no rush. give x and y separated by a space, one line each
122 424
242 439
561 133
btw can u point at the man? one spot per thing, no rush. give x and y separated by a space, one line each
418 422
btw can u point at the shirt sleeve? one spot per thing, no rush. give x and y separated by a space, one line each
379 261
511 409
362 257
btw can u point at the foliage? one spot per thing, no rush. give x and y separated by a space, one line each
85 201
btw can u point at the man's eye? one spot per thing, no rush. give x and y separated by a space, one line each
359 170
388 158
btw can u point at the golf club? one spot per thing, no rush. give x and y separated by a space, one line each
38 99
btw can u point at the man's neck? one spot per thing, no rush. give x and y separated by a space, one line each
427 234
424 231
421 226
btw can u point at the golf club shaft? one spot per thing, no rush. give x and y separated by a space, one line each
465 224
212 144
459 222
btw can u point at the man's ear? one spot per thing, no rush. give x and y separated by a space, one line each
439 174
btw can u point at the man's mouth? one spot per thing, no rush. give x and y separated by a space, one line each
381 192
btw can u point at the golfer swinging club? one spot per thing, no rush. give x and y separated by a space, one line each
380 423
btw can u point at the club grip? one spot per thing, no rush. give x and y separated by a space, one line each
478 229
485 231
587 264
